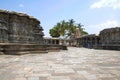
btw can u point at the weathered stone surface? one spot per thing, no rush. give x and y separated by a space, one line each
74 64
110 38
19 28
20 34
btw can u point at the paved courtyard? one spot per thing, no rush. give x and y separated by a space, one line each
74 64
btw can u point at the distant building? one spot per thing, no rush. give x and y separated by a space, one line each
56 41
52 41
88 41
77 33
107 39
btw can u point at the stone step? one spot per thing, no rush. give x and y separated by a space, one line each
19 49
53 50
38 52
1 53
17 53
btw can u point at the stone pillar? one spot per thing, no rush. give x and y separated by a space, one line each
118 37
95 40
50 41
0 36
83 42
55 42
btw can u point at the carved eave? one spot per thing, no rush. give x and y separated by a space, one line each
32 18
4 29
110 30
1 21
40 27
4 11
88 36
40 33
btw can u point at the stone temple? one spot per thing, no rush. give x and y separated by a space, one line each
19 28
107 39
21 34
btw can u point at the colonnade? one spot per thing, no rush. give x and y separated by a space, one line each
88 41
52 41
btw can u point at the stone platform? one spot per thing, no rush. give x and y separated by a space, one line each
111 46
108 47
71 64
19 49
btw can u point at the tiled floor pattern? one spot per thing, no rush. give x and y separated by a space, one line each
73 64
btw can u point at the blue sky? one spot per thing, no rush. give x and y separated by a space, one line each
95 15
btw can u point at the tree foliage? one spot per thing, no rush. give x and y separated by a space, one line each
66 28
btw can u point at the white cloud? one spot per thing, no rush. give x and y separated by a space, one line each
114 4
21 5
98 27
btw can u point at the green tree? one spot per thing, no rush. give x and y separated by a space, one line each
54 32
71 26
66 29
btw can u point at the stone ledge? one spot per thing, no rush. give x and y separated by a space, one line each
19 49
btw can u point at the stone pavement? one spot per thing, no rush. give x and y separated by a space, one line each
74 64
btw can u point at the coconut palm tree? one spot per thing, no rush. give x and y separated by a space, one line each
66 29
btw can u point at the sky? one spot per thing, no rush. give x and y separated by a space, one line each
95 15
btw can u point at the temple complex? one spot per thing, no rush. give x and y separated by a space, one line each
107 39
21 34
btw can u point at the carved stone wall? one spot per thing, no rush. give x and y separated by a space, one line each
110 36
19 28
